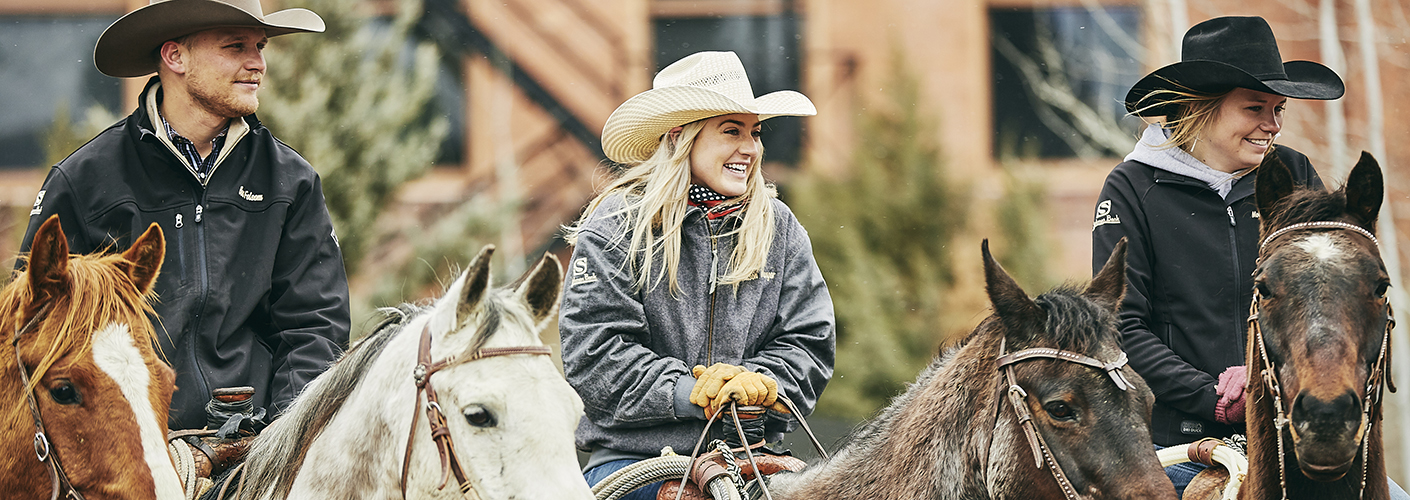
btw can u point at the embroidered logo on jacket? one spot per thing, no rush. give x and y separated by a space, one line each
38 203
250 196
1104 215
580 274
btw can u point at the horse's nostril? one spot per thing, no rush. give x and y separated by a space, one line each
1312 414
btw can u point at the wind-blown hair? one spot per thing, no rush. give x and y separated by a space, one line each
1195 112
654 204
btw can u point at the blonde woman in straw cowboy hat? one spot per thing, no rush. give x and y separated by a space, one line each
1184 201
691 284
253 291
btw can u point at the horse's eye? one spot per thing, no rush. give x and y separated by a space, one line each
1381 289
478 416
65 393
1060 410
1262 289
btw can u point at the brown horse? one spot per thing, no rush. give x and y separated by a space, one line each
95 405
958 431
1318 342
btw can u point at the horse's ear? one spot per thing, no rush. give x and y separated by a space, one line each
1364 191
1013 306
477 282
539 288
1109 285
1274 183
49 260
146 256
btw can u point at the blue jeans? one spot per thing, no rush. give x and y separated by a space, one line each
1182 474
597 474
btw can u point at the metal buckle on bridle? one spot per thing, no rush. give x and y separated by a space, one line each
41 446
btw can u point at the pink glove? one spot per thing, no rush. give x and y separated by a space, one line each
1230 408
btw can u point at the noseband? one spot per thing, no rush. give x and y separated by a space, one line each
43 450
1375 382
1016 395
440 432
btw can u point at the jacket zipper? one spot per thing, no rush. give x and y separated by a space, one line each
1240 327
710 330
202 274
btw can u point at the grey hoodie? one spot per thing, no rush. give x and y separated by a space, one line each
629 352
1176 161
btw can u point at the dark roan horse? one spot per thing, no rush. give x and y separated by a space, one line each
1319 340
956 432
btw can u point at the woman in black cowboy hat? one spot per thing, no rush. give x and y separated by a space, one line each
1184 200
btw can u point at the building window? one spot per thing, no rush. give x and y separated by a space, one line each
1060 77
46 64
767 41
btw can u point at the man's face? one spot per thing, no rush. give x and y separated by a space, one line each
224 68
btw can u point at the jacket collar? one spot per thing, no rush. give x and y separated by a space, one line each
151 96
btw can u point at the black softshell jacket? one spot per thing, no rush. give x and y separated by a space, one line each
1190 271
252 291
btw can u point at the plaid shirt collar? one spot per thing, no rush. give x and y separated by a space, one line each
188 149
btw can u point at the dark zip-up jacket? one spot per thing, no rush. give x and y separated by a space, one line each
252 291
1190 280
629 352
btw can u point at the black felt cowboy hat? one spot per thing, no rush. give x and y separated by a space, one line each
128 47
1224 53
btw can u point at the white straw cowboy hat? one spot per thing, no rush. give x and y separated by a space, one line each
128 47
699 86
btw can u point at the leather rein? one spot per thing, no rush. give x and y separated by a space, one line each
440 432
1375 382
43 449
1016 396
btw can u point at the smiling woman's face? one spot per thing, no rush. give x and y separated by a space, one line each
1242 132
723 153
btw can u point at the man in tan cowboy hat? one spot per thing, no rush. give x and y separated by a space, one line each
252 291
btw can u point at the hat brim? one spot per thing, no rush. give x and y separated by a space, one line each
633 131
1306 80
126 49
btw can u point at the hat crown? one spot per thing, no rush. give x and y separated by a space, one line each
720 72
1246 43
251 6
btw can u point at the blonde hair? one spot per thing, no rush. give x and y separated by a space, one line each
654 204
1194 112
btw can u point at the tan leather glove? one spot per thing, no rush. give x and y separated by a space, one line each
747 389
709 381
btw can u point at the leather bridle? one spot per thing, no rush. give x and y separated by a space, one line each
1375 382
43 449
440 432
1016 396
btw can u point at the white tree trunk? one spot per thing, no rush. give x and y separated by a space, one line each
1333 57
1375 133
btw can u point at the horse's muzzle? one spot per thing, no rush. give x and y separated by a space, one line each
1326 434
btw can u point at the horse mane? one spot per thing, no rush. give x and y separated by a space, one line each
99 293
1309 205
277 457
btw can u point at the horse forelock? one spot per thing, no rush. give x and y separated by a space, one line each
99 294
1306 205
1076 323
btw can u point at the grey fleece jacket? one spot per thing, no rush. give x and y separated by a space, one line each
629 352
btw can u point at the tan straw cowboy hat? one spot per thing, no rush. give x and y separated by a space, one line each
699 86
128 47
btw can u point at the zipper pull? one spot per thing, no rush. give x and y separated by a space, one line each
1230 211
178 221
198 214
714 258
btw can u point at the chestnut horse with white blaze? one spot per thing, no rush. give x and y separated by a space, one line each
85 394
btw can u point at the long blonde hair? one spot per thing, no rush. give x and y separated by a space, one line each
654 204
1195 111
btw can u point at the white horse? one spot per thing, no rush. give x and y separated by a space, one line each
507 410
